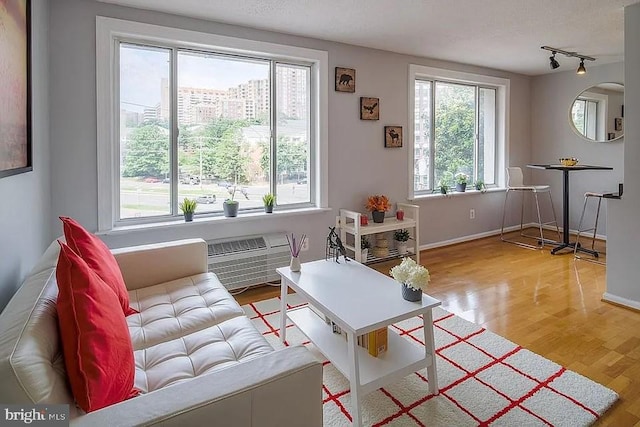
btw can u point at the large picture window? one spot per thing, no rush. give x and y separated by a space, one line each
233 130
206 123
458 127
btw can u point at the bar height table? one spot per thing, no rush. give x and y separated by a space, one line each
565 201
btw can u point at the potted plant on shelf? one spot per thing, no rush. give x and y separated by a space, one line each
414 278
479 185
188 208
378 205
443 186
230 205
365 245
461 182
401 237
269 200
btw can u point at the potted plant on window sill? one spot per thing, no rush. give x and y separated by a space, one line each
479 185
365 245
188 208
268 200
401 237
230 205
378 205
461 182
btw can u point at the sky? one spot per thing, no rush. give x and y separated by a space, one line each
142 71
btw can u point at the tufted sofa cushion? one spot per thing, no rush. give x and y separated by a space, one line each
177 308
202 352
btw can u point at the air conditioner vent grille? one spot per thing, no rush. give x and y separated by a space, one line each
226 248
247 260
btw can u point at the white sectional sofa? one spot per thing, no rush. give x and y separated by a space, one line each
199 360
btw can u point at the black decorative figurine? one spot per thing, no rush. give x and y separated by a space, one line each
335 248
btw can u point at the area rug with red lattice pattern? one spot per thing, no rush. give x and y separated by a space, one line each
484 379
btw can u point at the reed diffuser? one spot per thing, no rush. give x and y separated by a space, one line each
295 246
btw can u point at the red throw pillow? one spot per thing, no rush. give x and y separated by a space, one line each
97 256
96 344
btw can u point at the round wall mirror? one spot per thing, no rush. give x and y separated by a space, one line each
597 113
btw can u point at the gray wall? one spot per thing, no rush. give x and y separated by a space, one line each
623 258
552 138
358 163
26 203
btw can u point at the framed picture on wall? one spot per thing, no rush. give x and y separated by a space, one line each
15 81
369 108
619 124
345 79
393 136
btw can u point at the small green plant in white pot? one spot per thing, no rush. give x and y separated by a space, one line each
401 237
268 200
188 208
365 245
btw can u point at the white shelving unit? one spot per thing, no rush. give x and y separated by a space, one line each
399 360
349 224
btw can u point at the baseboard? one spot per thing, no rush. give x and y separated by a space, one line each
495 233
624 302
472 237
602 237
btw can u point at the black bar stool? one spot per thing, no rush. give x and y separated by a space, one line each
588 196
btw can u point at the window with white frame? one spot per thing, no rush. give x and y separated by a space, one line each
206 122
458 125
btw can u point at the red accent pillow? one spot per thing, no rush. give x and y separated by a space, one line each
99 258
96 344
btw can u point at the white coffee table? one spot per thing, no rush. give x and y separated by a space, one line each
359 300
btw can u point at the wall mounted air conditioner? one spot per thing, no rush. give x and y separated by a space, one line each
245 261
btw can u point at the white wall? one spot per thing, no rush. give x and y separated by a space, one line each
26 203
623 258
552 138
359 165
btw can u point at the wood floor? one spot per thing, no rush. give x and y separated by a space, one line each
550 304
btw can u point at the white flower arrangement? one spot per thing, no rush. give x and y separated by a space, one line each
411 274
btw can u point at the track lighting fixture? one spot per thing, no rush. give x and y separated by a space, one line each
553 63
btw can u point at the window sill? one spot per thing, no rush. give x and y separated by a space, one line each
454 193
210 220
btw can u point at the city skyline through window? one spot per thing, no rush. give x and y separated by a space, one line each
227 138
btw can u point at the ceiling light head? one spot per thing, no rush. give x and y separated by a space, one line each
553 63
581 70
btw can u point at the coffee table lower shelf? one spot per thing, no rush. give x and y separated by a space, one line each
401 358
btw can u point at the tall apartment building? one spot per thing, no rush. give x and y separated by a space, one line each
246 101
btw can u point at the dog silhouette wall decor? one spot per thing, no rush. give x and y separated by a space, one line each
345 79
393 136
369 108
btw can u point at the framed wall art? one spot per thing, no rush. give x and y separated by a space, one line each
15 87
369 108
393 136
345 79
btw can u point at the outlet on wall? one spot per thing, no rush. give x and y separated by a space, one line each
472 214
305 245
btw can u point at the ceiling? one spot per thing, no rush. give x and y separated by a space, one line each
501 34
